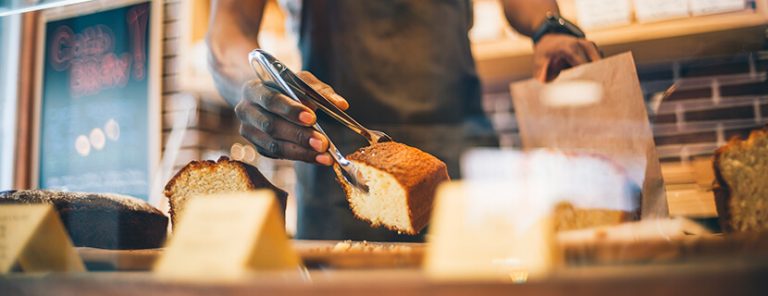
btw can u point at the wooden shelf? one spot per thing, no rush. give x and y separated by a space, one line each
678 39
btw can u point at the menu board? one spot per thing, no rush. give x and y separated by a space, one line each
95 104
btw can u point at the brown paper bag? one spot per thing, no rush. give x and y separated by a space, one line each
563 115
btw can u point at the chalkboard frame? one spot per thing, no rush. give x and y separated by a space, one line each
154 78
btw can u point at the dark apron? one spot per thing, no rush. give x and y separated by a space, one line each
406 68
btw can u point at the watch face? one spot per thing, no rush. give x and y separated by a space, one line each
556 24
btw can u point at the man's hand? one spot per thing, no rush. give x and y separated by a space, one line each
556 52
281 127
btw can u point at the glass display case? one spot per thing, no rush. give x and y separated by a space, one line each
640 170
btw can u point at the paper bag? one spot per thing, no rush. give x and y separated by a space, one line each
596 108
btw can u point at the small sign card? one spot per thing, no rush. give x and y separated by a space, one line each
224 237
33 236
487 232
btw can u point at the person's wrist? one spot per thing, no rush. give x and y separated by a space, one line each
555 24
228 87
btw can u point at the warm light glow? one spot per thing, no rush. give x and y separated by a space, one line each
97 138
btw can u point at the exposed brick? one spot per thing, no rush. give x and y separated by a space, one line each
701 137
690 94
664 118
740 112
757 88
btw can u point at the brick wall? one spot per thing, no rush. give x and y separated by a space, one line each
712 100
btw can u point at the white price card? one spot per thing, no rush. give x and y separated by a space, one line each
34 237
488 232
226 236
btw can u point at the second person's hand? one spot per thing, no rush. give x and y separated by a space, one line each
557 52
281 127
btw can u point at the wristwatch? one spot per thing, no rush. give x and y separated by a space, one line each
556 24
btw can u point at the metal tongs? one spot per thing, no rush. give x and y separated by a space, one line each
273 73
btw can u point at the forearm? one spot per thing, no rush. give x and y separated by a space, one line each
525 16
232 33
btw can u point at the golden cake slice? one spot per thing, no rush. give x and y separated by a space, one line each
209 177
741 192
402 181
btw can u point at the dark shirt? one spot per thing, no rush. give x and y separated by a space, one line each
406 68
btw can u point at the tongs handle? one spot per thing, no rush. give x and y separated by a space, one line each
299 89
324 104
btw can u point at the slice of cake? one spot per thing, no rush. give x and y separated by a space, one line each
402 181
209 177
105 221
741 192
567 217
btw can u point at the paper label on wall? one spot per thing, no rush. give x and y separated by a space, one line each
702 7
34 236
497 239
603 13
223 237
652 10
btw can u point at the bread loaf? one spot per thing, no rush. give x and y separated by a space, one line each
209 177
106 221
402 181
567 217
741 189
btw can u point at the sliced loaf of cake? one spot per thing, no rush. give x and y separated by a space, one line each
402 181
209 177
741 192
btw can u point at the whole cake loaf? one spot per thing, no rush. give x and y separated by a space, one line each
212 177
741 192
107 221
401 181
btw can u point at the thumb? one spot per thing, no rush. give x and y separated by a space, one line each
540 70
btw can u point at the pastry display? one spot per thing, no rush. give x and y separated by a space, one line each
741 192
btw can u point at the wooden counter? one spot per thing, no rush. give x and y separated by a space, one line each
733 277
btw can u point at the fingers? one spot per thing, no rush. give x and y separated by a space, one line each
324 89
556 52
274 148
277 103
590 49
540 69
278 128
574 54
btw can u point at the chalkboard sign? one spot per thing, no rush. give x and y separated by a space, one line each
98 103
